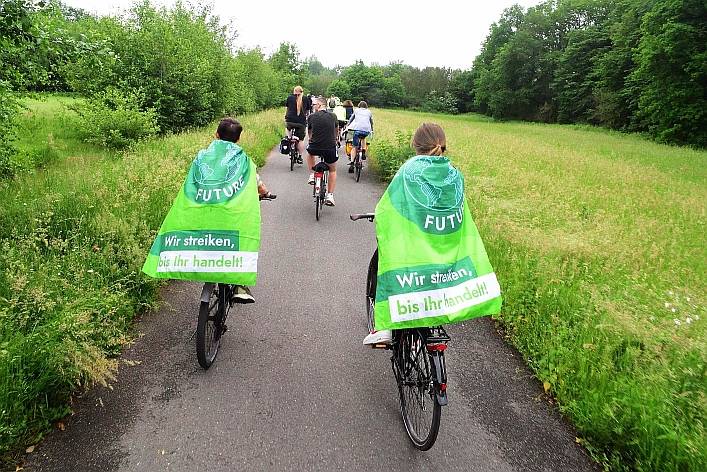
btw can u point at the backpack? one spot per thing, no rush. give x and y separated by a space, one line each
285 145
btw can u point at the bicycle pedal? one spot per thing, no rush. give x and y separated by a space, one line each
224 328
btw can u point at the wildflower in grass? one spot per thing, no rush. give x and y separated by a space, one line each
688 320
667 305
673 309
677 322
697 317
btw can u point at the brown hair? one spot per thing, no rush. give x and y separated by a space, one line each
298 93
348 103
429 140
362 104
229 130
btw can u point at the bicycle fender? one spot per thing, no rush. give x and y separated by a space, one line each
440 377
206 291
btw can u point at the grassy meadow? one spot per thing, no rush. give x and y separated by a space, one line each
598 242
73 237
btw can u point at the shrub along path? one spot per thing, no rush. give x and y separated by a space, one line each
293 388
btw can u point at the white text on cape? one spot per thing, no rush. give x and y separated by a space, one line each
205 195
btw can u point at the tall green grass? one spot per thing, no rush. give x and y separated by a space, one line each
598 242
72 241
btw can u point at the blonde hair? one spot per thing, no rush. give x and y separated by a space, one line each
429 140
298 93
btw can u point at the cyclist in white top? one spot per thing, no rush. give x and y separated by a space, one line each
361 123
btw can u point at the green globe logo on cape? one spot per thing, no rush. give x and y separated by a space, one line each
213 181
430 195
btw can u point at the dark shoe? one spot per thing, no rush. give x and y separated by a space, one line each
241 294
351 168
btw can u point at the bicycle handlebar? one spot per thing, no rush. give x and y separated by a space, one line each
361 216
267 196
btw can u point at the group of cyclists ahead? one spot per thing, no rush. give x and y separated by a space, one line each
324 121
430 267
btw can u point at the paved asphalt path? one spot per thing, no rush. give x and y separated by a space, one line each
293 388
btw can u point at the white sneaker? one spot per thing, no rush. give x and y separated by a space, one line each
311 179
379 337
329 200
241 294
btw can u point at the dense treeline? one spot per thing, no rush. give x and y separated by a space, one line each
632 65
395 85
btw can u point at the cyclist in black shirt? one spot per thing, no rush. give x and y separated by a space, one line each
296 115
323 128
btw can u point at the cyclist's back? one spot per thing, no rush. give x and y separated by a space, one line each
361 119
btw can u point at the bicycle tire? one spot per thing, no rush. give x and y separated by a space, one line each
293 158
210 324
419 406
371 285
358 167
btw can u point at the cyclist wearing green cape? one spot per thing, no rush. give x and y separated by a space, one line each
212 231
432 266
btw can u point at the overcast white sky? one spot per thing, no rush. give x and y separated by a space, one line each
442 33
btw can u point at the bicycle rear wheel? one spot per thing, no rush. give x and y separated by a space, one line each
210 323
418 403
293 159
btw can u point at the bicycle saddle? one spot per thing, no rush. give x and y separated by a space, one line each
321 167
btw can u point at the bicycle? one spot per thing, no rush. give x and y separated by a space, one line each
216 303
321 182
418 366
357 163
295 156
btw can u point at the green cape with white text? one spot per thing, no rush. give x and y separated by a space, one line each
432 265
212 231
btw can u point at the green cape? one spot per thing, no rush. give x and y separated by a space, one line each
212 231
432 265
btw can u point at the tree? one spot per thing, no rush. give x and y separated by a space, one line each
339 88
671 59
286 62
616 93
364 81
499 35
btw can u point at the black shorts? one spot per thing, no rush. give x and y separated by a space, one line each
330 156
298 127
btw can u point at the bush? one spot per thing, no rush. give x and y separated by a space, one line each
114 119
437 102
389 156
8 111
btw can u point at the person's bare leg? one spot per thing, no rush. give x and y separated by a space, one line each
332 177
310 162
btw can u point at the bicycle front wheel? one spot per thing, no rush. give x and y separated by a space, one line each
419 407
210 323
